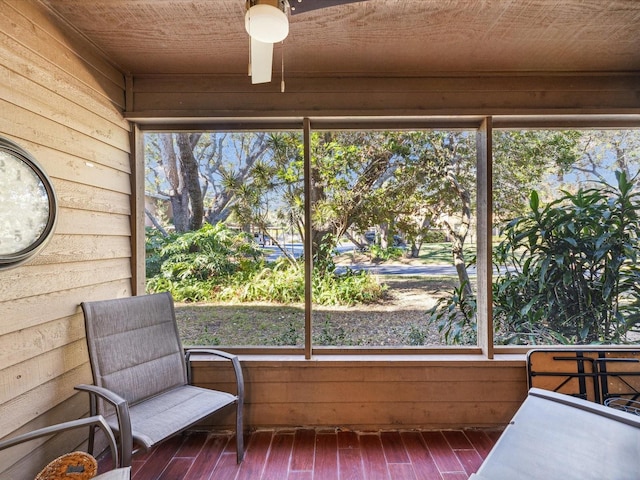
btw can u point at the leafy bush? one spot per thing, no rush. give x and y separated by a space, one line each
349 288
218 264
569 269
567 272
376 252
192 265
455 317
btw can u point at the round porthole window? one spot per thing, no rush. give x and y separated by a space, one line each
28 205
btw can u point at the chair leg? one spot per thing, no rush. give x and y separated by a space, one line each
93 410
239 434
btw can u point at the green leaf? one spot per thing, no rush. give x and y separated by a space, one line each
534 201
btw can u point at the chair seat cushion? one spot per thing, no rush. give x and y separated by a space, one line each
159 417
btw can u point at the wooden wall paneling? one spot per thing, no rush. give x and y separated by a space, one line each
508 82
95 223
34 280
343 393
83 248
428 368
42 101
30 373
23 62
34 454
26 343
23 408
80 196
358 103
82 176
28 126
24 312
373 394
62 101
39 31
384 416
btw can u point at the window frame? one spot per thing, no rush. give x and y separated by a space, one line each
482 124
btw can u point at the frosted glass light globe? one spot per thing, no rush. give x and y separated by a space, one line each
266 23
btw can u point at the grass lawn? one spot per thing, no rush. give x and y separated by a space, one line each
440 253
399 319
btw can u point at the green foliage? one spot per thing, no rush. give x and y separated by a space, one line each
280 282
331 335
193 264
154 241
216 263
569 271
434 236
376 252
349 288
417 335
455 317
289 336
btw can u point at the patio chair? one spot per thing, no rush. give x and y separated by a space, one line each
558 436
141 373
75 465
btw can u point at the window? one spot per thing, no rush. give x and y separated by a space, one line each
397 240
232 260
566 205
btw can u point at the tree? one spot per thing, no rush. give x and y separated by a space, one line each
192 169
228 164
189 167
522 159
603 152
399 182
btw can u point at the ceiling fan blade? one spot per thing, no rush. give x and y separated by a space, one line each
261 61
302 6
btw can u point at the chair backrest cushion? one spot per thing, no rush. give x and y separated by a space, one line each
134 345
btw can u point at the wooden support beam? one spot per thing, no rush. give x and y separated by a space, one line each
484 236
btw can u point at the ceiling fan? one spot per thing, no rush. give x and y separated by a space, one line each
267 22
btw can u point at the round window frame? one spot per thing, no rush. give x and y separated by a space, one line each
13 259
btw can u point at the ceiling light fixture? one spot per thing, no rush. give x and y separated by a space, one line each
266 23
266 20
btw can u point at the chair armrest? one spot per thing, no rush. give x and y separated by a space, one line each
94 421
219 353
122 414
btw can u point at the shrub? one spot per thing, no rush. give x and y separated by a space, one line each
218 264
569 268
567 272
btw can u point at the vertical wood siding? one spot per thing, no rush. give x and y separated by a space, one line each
62 102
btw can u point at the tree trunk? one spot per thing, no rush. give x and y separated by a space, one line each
178 196
186 142
459 234
384 235
461 268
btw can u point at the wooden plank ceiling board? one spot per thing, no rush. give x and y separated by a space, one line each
367 38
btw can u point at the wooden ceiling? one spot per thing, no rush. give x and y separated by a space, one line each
375 38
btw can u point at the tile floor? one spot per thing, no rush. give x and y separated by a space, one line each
308 454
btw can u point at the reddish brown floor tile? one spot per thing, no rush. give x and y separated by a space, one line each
304 447
307 454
